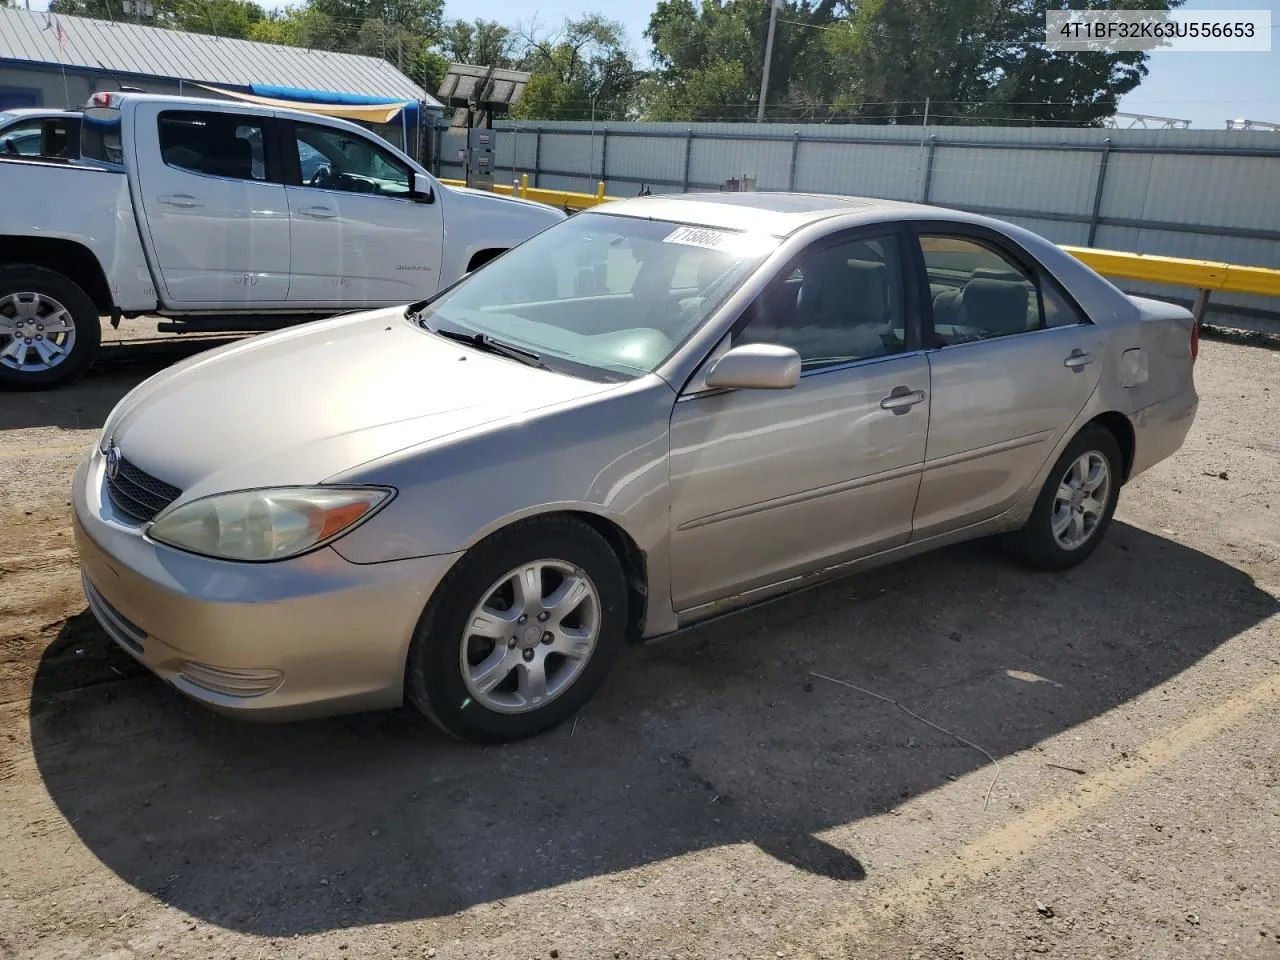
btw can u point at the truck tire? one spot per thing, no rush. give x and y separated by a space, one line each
49 328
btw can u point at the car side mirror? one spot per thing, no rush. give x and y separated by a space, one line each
422 191
755 366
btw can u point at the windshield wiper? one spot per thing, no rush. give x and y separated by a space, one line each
482 341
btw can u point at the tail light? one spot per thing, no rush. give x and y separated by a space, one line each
1195 340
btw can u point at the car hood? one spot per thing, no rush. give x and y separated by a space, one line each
302 405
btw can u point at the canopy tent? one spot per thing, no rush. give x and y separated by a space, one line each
347 106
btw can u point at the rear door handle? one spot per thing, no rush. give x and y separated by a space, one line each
901 400
183 200
1078 360
319 213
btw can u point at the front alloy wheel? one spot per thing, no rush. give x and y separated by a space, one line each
530 637
521 632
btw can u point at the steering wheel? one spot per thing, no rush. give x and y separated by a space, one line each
322 177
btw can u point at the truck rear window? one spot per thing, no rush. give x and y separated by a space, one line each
100 138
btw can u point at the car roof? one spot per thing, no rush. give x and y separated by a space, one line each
238 106
779 214
39 112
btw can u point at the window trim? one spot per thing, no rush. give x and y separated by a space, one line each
270 169
909 293
292 163
1000 244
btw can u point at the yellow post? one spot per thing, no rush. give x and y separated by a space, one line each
600 191
524 185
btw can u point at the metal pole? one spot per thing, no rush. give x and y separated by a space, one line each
1097 192
592 164
928 167
791 176
1200 306
537 154
604 154
926 112
768 59
688 156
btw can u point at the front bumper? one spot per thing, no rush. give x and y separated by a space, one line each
310 636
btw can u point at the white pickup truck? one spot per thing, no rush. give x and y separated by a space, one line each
223 216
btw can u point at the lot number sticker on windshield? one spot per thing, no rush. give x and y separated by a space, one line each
725 241
698 237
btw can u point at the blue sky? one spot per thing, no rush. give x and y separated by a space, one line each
1205 88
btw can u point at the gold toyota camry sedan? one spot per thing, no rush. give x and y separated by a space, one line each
649 414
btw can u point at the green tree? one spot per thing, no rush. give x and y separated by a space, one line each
483 42
583 70
977 61
225 18
296 27
710 57
349 18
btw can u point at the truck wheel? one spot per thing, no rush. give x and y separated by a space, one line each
49 328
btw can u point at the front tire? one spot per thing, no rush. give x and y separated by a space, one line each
49 328
1076 504
520 633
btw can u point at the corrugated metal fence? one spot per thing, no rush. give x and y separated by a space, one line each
1212 195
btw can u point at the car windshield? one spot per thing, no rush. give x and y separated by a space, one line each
609 294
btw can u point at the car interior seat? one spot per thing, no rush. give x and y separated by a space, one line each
228 156
996 306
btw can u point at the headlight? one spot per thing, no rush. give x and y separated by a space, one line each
272 524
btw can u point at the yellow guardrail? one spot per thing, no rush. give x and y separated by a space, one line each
1201 275
565 199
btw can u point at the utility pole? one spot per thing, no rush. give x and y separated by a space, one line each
768 58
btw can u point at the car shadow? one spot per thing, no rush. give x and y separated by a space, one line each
721 736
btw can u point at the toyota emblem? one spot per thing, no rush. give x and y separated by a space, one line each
113 462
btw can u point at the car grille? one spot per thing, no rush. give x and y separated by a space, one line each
139 494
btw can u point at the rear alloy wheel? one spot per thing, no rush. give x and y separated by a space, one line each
520 633
1075 505
49 328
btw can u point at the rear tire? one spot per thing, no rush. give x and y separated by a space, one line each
1076 504
49 328
493 628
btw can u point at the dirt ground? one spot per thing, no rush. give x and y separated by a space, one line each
718 798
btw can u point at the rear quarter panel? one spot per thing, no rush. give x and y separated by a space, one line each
85 204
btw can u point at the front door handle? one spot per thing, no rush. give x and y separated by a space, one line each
1078 360
184 200
901 400
319 213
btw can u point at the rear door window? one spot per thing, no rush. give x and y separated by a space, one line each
215 144
977 291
